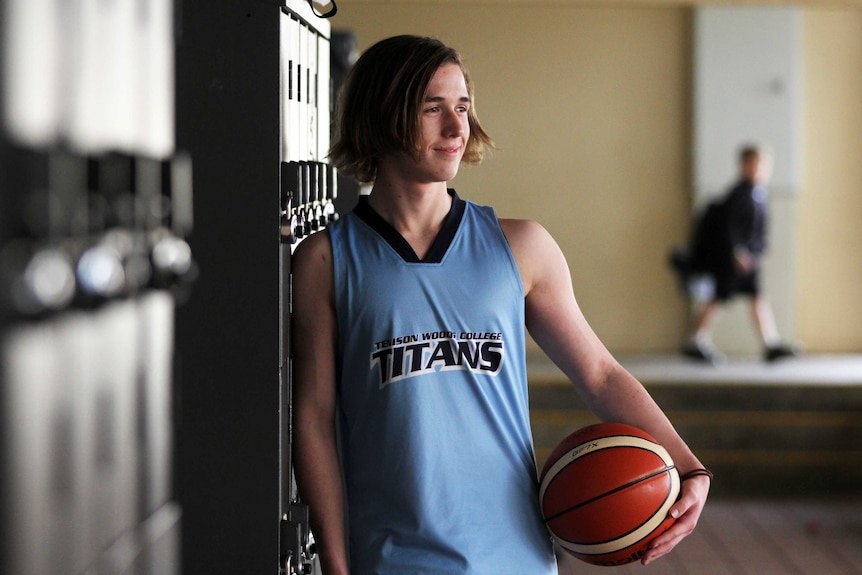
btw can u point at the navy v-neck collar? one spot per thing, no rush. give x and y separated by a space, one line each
441 243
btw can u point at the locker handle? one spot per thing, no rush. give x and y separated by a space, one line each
328 14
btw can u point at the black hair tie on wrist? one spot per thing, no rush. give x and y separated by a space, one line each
696 473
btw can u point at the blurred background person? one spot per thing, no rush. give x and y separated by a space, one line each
727 249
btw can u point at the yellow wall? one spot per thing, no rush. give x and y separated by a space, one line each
590 108
830 228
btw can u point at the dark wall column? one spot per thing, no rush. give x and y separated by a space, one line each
227 332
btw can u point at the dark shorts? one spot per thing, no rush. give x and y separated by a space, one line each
729 283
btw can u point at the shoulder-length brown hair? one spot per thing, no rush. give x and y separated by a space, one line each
379 106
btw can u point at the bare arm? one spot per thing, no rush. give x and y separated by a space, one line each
318 473
556 322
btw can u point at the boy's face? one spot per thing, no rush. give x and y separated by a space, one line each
755 168
444 128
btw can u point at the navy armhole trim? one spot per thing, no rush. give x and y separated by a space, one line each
441 243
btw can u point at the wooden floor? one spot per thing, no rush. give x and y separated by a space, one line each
759 537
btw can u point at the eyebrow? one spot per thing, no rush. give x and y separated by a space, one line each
465 99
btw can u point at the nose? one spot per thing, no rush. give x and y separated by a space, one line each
455 124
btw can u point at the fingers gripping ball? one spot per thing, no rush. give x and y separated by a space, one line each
605 493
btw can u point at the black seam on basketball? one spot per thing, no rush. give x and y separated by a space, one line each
611 492
621 536
581 457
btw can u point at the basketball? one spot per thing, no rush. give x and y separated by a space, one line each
605 492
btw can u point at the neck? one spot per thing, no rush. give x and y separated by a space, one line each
414 208
417 213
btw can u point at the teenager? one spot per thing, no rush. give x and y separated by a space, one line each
409 342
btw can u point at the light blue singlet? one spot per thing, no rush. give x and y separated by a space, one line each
437 447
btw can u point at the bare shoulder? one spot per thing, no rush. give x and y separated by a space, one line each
527 235
312 252
311 266
535 250
520 230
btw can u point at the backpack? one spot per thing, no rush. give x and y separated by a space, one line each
710 239
708 244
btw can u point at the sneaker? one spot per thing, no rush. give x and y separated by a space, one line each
702 352
776 352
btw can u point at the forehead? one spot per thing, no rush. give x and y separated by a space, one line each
448 77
